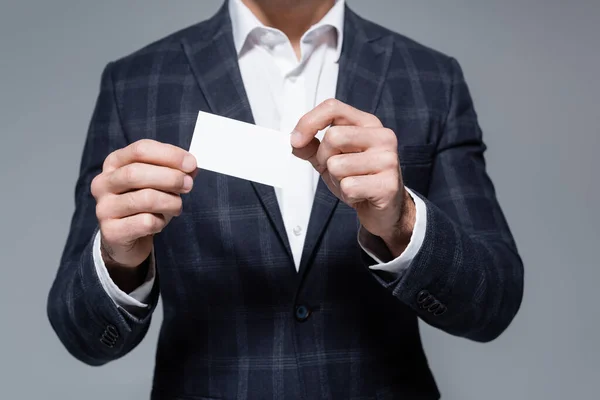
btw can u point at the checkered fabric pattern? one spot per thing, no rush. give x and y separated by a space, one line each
239 321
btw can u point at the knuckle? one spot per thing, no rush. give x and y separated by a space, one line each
347 187
130 173
145 198
108 161
306 121
373 120
389 138
163 203
177 205
101 213
95 186
335 164
390 160
148 222
303 120
141 148
334 135
330 103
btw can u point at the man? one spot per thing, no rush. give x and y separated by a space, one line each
308 292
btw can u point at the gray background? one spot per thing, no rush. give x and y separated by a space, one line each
533 67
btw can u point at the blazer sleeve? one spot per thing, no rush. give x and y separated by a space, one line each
467 278
91 326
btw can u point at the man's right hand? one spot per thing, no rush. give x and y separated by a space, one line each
137 194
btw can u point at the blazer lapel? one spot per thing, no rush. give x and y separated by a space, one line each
363 66
213 60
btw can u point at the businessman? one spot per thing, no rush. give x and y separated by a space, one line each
313 291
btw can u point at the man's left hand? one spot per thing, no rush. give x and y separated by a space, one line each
358 160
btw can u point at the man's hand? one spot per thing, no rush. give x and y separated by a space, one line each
137 194
358 160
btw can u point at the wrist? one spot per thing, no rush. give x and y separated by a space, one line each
126 278
397 241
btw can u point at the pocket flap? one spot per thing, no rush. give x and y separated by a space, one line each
416 154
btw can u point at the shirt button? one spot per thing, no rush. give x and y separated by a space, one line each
302 313
297 230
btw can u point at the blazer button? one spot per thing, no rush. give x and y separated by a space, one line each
112 331
109 336
440 310
302 313
434 306
426 301
422 296
107 342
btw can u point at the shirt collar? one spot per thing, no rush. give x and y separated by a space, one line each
243 22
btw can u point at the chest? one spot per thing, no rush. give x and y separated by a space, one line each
165 109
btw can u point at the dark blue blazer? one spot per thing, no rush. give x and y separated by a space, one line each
239 321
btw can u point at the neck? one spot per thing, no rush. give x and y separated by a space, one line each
292 17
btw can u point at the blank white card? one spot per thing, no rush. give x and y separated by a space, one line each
243 150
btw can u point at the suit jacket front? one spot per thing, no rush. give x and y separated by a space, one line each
239 321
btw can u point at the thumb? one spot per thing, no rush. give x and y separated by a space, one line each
309 153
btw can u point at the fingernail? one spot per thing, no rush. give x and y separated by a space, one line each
188 183
189 163
296 138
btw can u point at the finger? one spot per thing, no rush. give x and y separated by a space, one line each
142 176
151 152
309 152
378 189
342 139
139 201
345 139
127 230
352 139
330 112
356 164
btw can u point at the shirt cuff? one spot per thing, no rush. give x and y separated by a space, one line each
133 301
378 251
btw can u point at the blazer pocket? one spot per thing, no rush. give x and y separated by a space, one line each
416 154
416 162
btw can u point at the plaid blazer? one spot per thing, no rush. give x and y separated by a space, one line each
239 321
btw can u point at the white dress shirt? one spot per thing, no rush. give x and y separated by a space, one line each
281 88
